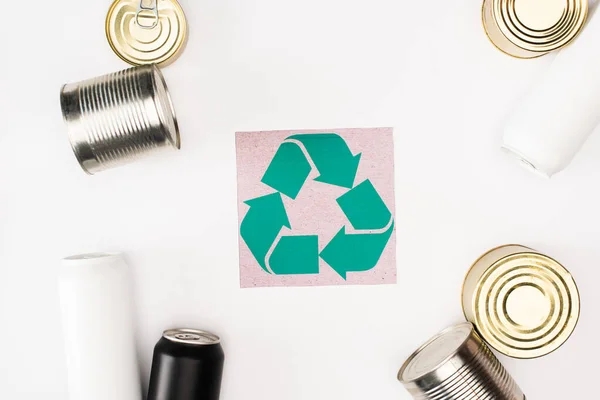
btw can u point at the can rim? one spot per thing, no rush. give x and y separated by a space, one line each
426 344
168 119
83 259
172 335
526 162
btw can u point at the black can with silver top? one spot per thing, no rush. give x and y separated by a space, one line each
187 365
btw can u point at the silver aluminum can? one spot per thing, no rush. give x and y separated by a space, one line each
117 118
456 364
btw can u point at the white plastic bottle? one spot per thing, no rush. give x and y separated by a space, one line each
548 129
95 294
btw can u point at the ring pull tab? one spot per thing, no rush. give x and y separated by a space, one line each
147 15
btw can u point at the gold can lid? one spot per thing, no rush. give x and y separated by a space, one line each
532 28
523 303
146 31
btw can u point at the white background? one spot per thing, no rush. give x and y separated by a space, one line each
424 67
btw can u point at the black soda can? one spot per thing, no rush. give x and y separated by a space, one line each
187 365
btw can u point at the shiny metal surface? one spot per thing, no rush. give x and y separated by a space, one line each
532 28
191 336
456 364
147 5
146 31
117 118
523 303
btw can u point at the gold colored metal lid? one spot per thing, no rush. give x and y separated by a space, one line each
146 31
523 303
532 28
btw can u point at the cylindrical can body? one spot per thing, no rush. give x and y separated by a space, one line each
523 303
96 303
456 364
532 28
116 118
187 365
557 116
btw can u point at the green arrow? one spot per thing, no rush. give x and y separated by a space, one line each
288 170
262 224
296 255
355 253
332 157
364 208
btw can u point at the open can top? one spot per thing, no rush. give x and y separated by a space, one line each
194 337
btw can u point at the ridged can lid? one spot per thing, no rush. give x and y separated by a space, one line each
146 31
532 28
523 303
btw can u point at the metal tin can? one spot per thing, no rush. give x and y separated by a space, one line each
114 119
146 31
187 364
523 303
532 28
456 364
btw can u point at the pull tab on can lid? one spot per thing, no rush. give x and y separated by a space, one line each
146 31
532 28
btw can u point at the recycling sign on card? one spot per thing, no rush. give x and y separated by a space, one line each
316 207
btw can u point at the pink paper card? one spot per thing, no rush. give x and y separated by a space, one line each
316 207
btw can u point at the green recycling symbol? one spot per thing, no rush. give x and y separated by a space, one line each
362 205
